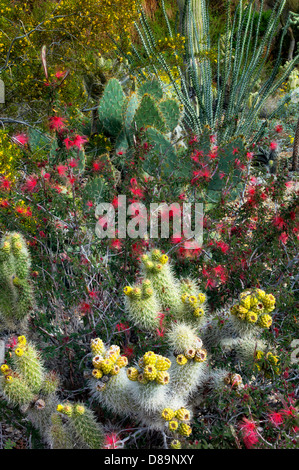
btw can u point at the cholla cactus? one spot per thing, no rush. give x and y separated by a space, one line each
160 291
160 391
242 323
142 305
81 424
25 383
157 269
16 300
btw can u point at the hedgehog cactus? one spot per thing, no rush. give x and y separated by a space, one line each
16 299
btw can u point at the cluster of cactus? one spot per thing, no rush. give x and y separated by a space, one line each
242 325
160 291
157 391
141 391
161 391
16 300
152 367
106 363
267 363
254 308
145 109
178 421
26 383
79 430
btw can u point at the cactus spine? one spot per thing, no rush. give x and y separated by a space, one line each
16 299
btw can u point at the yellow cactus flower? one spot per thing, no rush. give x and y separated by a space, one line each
167 414
19 352
181 359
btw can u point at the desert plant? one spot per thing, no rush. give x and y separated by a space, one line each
160 391
16 290
245 56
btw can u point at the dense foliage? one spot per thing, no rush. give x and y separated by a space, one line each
101 111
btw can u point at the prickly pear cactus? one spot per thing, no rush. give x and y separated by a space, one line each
144 109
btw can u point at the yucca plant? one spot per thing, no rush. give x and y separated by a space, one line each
222 107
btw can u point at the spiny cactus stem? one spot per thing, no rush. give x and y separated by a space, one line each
296 149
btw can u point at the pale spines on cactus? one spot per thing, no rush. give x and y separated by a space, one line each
142 305
59 434
50 384
181 337
114 392
28 363
188 375
16 299
15 390
39 412
244 319
157 269
83 424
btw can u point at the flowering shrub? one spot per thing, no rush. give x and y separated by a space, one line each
203 344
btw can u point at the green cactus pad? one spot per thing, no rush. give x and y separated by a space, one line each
153 88
111 106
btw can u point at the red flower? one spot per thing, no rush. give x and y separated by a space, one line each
97 166
61 170
93 294
279 128
249 433
68 143
73 163
21 139
279 222
223 246
85 307
276 418
79 141
4 203
284 238
116 244
160 332
5 184
273 145
60 73
128 351
122 326
56 123
112 441
31 183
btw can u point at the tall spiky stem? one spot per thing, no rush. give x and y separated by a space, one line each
296 149
191 25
